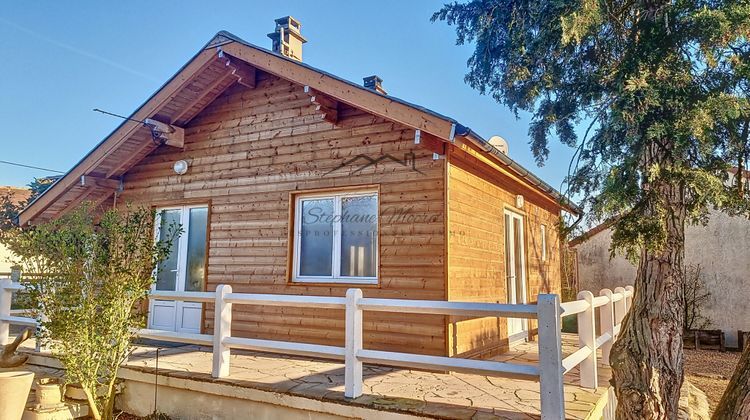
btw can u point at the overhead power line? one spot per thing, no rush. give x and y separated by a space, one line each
30 166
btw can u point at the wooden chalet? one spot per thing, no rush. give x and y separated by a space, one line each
290 180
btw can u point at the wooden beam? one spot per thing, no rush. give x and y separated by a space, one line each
98 202
379 105
145 144
168 134
104 183
76 202
430 142
199 97
327 107
237 69
245 74
202 60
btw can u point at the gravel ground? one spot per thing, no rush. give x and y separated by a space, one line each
710 371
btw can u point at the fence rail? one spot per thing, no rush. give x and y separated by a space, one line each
548 311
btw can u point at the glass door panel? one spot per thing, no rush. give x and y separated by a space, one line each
166 272
182 270
196 249
515 266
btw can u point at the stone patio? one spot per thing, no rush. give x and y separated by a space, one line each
438 395
411 392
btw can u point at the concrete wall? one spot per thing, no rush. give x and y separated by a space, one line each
722 248
596 270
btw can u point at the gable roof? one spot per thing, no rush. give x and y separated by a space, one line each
205 76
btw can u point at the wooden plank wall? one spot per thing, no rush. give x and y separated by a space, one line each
477 198
248 151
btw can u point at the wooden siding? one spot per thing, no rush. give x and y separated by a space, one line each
249 150
477 198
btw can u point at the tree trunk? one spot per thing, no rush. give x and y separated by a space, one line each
647 358
735 403
91 398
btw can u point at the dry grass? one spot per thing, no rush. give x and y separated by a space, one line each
710 371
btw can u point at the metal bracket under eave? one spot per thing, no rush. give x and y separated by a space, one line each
417 136
325 105
452 136
437 156
166 133
245 74
89 181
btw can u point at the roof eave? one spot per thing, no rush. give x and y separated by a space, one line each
524 173
30 212
444 130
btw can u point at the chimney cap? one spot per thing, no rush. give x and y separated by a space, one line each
287 37
375 83
289 22
373 79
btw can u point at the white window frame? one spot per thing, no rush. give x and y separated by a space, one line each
335 276
520 327
181 279
543 231
182 241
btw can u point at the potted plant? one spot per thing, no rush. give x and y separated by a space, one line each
96 268
15 385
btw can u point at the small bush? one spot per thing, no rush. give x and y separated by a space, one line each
94 270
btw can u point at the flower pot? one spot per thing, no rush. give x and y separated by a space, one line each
48 393
75 392
14 391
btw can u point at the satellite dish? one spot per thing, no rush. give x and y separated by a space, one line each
499 143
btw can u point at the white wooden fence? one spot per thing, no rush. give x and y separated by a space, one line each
548 311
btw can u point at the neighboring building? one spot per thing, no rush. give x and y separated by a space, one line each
290 180
720 248
17 195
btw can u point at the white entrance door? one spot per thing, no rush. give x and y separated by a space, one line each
515 264
183 270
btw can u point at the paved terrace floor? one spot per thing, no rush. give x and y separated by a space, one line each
428 394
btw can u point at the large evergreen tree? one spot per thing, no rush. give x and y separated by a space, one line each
661 91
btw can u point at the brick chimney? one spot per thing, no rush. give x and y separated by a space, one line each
287 38
375 83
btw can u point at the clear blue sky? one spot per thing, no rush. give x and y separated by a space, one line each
62 59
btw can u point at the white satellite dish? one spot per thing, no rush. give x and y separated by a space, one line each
499 143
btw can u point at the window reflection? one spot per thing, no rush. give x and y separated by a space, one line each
316 237
196 249
359 235
166 273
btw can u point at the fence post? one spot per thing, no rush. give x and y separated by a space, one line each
620 306
222 330
6 295
40 332
550 357
353 331
607 319
629 302
587 338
